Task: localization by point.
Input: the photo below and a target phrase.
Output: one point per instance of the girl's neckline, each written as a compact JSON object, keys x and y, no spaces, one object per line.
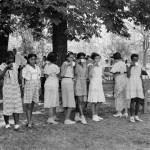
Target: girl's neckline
{"x":34,"y":67}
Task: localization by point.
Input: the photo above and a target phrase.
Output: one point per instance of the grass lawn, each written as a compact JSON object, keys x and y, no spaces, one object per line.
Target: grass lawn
{"x":109,"y":134}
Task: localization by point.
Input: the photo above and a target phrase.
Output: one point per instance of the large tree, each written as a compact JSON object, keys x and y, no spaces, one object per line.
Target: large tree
{"x":69,"y":19}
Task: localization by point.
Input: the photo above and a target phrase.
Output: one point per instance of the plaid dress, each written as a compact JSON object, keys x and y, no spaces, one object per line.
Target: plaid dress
{"x":32,"y":84}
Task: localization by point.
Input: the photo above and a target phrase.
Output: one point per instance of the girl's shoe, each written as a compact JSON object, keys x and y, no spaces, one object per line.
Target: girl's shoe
{"x":7,"y":126}
{"x":17,"y":127}
{"x":77,"y":117}
{"x":56,"y":118}
{"x":118,"y":115}
{"x":125,"y":115}
{"x":52,"y":121}
{"x":100,"y":118}
{"x":138,"y":119}
{"x":69,"y":122}
{"x":132,"y":119}
{"x":95,"y":118}
{"x":83,"y":120}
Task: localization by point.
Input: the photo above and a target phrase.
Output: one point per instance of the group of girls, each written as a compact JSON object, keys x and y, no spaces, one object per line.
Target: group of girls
{"x":74,"y":91}
{"x":75,"y":94}
{"x":12,"y":101}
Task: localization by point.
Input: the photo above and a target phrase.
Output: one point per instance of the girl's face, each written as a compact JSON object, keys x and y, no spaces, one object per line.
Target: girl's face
{"x":82,"y":59}
{"x":32,"y":61}
{"x":135,"y":59}
{"x":70,"y":58}
{"x":97,"y":59}
{"x":11,"y":59}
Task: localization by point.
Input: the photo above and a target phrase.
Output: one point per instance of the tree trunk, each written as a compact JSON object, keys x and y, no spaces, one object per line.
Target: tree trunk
{"x":59,"y":41}
{"x":144,"y":58}
{"x":4,"y":26}
{"x":3,"y":46}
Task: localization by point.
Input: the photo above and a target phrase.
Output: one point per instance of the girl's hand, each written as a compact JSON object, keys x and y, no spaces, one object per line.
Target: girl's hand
{"x":9,"y":66}
{"x":95,"y":64}
{"x":69,"y":63}
{"x":78,"y":61}
{"x":104,"y":80}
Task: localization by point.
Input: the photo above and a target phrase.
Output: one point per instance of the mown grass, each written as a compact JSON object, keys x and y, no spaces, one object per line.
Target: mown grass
{"x":109,"y":134}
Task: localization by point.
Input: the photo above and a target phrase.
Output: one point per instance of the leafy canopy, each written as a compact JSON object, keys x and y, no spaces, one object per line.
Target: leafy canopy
{"x":84,"y":18}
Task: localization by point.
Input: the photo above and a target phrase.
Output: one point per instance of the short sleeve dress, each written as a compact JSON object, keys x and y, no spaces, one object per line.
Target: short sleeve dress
{"x":67,"y":88}
{"x":80,"y":81}
{"x":32,"y":84}
{"x":96,"y":93}
{"x":51,"y":95}
{"x":12,"y":102}
{"x":120,"y":85}
{"x":134,"y":87}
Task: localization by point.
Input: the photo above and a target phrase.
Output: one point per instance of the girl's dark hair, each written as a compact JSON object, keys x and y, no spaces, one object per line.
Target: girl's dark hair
{"x":80,"y":54}
{"x":44,"y":57}
{"x":93,"y":55}
{"x":30,"y":56}
{"x":9,"y":54}
{"x":69,"y":53}
{"x":52,"y":57}
{"x":134,"y":55}
{"x":26,"y":57}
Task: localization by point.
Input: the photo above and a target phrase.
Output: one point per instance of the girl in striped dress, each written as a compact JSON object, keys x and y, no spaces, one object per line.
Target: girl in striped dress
{"x":12,"y":103}
{"x":80,"y":86}
{"x":31,"y":73}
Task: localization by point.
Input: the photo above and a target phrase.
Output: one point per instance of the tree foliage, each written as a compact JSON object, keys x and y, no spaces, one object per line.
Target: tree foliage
{"x":84,"y":18}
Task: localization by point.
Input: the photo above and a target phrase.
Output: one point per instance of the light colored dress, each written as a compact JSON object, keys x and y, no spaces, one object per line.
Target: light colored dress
{"x":67,"y":88}
{"x":51,"y":97}
{"x":96,"y":93}
{"x":80,"y":83}
{"x":134,"y":87}
{"x":32,"y":83}
{"x":120,"y":85}
{"x":12,"y":102}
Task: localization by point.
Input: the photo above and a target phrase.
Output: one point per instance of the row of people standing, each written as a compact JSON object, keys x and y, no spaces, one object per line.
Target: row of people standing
{"x":128,"y":86}
{"x":125,"y":89}
{"x":74,"y":84}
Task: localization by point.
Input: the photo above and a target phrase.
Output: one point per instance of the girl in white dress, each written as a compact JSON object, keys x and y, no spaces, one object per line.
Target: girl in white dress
{"x":96,"y":93}
{"x":51,"y":97}
{"x":134,"y":87}
{"x":119,"y":69}
{"x":67,"y":87}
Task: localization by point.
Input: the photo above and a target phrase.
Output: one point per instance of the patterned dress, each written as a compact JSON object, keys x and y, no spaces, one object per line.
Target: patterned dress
{"x":120,"y":85}
{"x":12,"y":102}
{"x":32,"y":84}
{"x":80,"y":84}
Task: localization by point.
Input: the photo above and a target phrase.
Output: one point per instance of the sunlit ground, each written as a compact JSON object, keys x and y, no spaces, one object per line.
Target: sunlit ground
{"x":109,"y":134}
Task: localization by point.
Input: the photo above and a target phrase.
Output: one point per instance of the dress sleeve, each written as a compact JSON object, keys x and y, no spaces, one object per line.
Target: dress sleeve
{"x":57,"y":70}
